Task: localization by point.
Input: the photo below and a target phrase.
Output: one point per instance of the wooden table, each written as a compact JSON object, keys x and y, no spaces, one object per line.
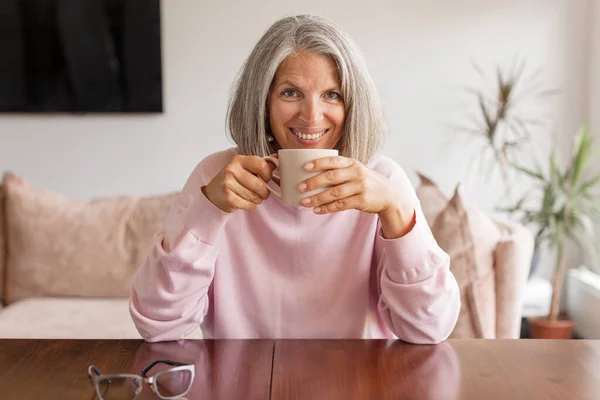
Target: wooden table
{"x":315,"y":369}
{"x":57,"y":369}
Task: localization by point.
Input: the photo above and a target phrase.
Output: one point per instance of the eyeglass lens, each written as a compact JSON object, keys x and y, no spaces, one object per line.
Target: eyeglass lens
{"x":119,"y":388}
{"x":173,"y":383}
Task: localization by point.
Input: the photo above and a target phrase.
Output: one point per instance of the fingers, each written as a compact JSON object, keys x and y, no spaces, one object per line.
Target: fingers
{"x":271,"y":169}
{"x":237,"y":186}
{"x":238,"y":203}
{"x":244,"y":168}
{"x":353,"y":202}
{"x":241,"y":190}
{"x":257,"y":166}
{"x":333,"y":194}
{"x":237,"y":197}
{"x":253,"y":184}
{"x":325,"y":163}
{"x":333,"y":177}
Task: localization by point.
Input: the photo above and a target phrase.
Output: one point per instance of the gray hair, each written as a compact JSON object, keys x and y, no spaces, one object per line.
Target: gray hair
{"x":247,"y":120}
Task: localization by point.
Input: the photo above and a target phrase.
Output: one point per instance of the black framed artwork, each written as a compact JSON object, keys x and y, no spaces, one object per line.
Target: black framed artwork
{"x":80,"y":56}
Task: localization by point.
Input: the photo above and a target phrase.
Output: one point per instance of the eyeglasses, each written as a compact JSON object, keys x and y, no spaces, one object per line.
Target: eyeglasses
{"x":172,"y":383}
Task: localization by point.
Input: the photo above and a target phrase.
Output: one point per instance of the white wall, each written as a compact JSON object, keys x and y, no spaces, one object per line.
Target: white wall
{"x":594,"y":72}
{"x":594,"y":96}
{"x":418,"y":52}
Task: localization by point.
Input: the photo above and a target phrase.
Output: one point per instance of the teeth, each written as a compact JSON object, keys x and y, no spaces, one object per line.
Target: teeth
{"x":309,"y":136}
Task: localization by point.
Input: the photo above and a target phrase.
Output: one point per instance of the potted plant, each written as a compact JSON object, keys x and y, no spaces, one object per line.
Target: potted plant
{"x":565,"y":208}
{"x":501,"y":131}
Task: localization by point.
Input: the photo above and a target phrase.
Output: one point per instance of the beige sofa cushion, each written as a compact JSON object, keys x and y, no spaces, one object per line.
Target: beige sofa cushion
{"x":59,"y":246}
{"x":469,"y":236}
{"x":63,"y":318}
{"x":433,"y":200}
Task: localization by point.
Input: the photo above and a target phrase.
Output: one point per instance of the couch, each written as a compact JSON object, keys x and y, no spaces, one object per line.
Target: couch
{"x":66,"y":264}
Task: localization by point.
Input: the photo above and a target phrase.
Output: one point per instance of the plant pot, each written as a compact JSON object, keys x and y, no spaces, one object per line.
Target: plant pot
{"x":543,"y":328}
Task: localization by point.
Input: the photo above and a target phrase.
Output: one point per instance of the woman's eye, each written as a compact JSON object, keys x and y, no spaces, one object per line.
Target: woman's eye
{"x":333,"y":95}
{"x":289,"y":93}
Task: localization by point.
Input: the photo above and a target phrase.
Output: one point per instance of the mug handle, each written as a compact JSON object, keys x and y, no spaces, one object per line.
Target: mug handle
{"x":275,"y":174}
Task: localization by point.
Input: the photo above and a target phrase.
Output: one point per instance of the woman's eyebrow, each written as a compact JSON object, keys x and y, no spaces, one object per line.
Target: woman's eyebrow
{"x":287,"y":82}
{"x":291,"y":83}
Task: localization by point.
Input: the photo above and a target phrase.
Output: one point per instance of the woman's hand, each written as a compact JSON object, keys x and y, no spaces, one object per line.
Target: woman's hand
{"x":354,"y":186}
{"x":241,"y":185}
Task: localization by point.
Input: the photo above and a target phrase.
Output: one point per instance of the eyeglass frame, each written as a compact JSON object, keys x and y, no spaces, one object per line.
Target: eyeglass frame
{"x":95,"y":376}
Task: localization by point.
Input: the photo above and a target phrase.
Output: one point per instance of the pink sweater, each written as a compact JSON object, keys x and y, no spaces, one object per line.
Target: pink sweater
{"x":285,"y":272}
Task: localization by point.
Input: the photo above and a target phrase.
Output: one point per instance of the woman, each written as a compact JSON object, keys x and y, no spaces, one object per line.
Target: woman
{"x":356,"y":261}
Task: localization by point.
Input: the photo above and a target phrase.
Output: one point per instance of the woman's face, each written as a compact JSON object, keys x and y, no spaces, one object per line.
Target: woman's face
{"x":306,"y":108}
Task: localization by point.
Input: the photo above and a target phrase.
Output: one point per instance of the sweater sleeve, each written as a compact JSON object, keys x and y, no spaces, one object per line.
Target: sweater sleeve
{"x":419,"y":298}
{"x":169,"y":294}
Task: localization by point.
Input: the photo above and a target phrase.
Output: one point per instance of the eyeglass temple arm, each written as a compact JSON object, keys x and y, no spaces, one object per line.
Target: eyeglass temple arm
{"x":168,"y":362}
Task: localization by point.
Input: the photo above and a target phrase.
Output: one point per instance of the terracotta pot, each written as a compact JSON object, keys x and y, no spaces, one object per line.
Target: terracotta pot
{"x":543,"y":328}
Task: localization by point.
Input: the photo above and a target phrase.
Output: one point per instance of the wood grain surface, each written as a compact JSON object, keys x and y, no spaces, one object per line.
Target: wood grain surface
{"x":57,"y":369}
{"x":315,"y":369}
{"x":455,"y":369}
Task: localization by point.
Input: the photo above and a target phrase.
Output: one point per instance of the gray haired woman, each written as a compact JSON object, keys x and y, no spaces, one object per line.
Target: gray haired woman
{"x":356,"y":260}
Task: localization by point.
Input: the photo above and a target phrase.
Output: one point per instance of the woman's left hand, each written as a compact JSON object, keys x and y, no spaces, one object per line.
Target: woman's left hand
{"x":352,"y":186}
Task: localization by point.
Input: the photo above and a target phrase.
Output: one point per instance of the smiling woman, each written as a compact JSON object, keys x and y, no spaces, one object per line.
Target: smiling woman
{"x":240,"y":263}
{"x":306,"y":108}
{"x":305,"y":58}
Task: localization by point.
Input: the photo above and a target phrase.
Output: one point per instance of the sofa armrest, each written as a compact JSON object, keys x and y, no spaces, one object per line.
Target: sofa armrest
{"x":512,"y":263}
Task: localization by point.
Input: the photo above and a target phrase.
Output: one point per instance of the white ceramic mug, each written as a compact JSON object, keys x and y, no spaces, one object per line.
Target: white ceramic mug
{"x":291,"y":172}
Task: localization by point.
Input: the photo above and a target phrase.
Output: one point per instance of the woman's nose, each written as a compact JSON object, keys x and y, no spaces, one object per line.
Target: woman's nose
{"x":312,"y":111}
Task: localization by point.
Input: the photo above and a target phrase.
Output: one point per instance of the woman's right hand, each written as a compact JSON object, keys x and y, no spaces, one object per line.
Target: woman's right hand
{"x":241,"y":184}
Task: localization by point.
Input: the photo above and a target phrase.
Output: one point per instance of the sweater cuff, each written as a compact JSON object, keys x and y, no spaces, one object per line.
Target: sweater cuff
{"x":413,"y":257}
{"x":204,"y":220}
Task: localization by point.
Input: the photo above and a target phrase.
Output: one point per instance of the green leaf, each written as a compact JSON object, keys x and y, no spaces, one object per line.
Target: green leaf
{"x":560,"y":199}
{"x":591,"y":207}
{"x":588,"y":184}
{"x":534,"y":174}
{"x":587,"y":226}
{"x":585,"y":242}
{"x":582,"y":152}
{"x":553,"y":167}
{"x":518,"y":205}
{"x":487,"y":119}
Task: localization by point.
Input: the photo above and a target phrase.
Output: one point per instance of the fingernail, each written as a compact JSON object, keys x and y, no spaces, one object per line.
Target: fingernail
{"x":305,"y":201}
{"x":317,"y":209}
{"x":309,"y":166}
{"x":301,"y":187}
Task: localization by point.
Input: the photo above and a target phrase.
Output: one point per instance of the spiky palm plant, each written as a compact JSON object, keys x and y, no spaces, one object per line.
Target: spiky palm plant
{"x":565,"y":206}
{"x":500,"y":126}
